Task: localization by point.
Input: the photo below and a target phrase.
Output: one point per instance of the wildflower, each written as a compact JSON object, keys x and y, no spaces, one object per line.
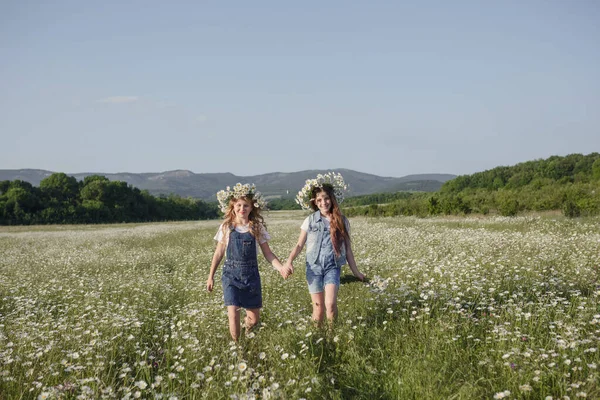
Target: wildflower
{"x":284,"y":356}
{"x":262,"y":355}
{"x":242,"y":366}
{"x":336,"y":181}
{"x":247,"y":190}
{"x":43,"y":396}
{"x":141,"y":384}
{"x":525,"y":388}
{"x":501,"y":395}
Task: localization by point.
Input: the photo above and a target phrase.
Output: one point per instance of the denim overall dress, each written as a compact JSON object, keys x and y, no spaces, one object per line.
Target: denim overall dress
{"x":240,"y":278}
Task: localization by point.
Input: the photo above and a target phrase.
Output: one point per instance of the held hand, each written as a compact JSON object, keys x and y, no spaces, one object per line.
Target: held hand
{"x":289,"y":266}
{"x":284,"y":272}
{"x":209,"y":284}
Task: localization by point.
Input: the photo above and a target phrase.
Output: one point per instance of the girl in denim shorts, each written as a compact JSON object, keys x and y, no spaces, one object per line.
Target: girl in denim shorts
{"x":326,"y":233}
{"x":238,"y":237}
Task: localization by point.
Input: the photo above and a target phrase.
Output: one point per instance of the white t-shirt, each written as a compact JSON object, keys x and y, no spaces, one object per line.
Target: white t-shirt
{"x":224,"y":238}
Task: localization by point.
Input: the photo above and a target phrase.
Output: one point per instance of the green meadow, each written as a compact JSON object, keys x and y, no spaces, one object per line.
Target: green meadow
{"x":456,"y":308}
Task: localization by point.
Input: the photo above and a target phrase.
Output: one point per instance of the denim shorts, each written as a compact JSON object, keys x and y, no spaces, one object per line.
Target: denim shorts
{"x":317,"y":277}
{"x":241,"y":286}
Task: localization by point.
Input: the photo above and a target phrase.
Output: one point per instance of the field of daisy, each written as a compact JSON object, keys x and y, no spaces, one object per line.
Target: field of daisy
{"x":457,"y":308}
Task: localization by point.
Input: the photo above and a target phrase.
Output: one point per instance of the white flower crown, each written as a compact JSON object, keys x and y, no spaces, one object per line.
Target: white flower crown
{"x":246,"y":190}
{"x":336,"y":181}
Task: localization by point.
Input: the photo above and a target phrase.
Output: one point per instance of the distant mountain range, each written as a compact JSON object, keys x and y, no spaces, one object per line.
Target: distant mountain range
{"x":277,"y":184}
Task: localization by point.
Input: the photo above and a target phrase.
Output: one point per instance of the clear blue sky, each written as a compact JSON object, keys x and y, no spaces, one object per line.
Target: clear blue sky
{"x":389,"y":88}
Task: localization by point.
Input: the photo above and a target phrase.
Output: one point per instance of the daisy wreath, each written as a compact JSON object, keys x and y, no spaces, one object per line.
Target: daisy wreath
{"x":246,"y":190}
{"x":331,"y":179}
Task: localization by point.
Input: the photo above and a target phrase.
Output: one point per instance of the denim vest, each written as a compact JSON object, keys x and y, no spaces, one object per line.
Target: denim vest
{"x":314,"y":239}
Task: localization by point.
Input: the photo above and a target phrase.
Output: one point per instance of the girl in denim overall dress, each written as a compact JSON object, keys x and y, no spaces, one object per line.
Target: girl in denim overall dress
{"x":237,"y":239}
{"x":326,"y":233}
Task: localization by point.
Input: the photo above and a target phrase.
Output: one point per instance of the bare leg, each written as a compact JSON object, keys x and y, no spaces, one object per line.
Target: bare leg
{"x":252,"y":318}
{"x":318,"y":305}
{"x":233,"y":312}
{"x":331,"y":292}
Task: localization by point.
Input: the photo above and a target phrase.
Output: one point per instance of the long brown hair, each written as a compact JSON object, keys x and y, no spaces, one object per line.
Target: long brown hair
{"x":255,"y":219}
{"x":339,"y":233}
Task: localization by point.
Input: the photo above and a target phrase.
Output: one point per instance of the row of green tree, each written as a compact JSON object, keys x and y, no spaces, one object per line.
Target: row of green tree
{"x":61,"y":199}
{"x":574,"y":168}
{"x":570,"y":184}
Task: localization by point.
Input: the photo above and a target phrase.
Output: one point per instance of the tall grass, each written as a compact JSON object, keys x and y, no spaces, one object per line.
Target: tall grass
{"x":456,"y":309}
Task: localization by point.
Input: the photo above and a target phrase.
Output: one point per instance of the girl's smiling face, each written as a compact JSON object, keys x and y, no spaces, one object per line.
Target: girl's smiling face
{"x":242,"y":208}
{"x":323,"y":202}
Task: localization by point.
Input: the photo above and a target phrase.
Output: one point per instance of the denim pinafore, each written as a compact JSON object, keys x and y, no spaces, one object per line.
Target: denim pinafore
{"x":240,"y":278}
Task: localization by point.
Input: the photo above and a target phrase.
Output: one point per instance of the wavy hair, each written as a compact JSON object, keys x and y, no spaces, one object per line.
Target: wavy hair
{"x":339,"y":233}
{"x":256,"y":221}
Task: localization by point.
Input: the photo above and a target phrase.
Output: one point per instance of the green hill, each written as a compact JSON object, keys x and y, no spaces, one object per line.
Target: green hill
{"x":277,"y":184}
{"x":570,"y":183}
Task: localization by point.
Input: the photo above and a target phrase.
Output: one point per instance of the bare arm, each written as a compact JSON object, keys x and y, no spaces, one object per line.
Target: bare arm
{"x":297,"y":249}
{"x":273,"y":260}
{"x":352,"y":262}
{"x":216,"y":260}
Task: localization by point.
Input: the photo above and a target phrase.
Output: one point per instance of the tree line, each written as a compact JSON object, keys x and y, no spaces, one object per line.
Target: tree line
{"x":61,"y":199}
{"x":570,"y":183}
